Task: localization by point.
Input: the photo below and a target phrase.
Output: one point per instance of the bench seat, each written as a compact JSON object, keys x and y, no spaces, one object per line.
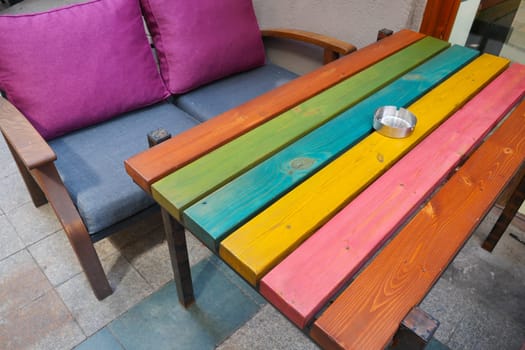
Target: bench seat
{"x":103,"y":193}
{"x":100,"y":189}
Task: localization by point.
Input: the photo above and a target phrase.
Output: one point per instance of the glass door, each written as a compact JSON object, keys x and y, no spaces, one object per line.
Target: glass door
{"x":496,"y":27}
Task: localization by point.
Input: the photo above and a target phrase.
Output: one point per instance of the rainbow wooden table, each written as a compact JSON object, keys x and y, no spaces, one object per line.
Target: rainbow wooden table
{"x":296,"y":192}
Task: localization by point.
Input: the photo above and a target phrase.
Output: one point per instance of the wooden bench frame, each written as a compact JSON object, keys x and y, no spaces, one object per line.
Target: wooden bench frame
{"x":35,"y":161}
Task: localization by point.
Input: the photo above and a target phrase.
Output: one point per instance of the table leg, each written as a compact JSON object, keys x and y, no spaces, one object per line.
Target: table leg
{"x":179,"y":258}
{"x":415,"y":331}
{"x":510,"y":210}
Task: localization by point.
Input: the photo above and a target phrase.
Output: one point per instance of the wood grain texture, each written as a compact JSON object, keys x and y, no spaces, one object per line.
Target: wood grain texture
{"x":333,"y":44}
{"x":303,"y":282}
{"x":153,"y":164}
{"x":368,"y":312}
{"x":23,"y":138}
{"x":217,"y":214}
{"x":183,"y":187}
{"x":260,"y":244}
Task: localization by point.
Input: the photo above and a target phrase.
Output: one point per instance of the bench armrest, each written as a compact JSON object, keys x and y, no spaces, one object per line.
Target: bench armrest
{"x":332,"y":47}
{"x":23,"y":138}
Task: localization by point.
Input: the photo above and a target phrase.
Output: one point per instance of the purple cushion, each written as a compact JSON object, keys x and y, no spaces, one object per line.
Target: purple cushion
{"x":200,"y":41}
{"x":79,"y":65}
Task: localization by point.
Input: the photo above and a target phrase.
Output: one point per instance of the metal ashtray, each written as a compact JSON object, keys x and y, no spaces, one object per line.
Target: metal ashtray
{"x":394,"y":122}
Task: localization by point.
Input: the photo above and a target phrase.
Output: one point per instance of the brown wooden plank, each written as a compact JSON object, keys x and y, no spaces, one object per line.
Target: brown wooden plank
{"x":367,"y":314}
{"x":153,"y":164}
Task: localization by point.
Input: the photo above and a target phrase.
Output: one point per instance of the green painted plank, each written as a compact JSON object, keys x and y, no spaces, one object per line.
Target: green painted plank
{"x":213,"y":217}
{"x":182,"y":188}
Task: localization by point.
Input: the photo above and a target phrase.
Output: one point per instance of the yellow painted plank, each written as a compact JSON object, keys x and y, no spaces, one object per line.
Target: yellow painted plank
{"x":260,"y":244}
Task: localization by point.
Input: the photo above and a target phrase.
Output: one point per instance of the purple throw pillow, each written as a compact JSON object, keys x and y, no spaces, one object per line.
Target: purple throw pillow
{"x":79,"y":65}
{"x":200,"y":41}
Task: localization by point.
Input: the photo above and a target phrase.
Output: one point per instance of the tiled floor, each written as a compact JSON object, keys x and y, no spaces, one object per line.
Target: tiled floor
{"x":46,"y":302}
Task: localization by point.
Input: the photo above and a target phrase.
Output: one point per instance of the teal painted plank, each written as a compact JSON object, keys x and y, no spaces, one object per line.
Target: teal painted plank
{"x":216,"y":215}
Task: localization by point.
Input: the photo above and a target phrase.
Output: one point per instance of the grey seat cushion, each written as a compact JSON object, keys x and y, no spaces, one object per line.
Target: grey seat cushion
{"x":215,"y":98}
{"x":91,"y":163}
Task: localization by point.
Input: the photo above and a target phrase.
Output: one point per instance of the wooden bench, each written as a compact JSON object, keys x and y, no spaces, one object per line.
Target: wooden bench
{"x":367,"y":314}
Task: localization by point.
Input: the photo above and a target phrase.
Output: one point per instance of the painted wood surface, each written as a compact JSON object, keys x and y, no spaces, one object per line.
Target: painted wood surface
{"x":303,"y":282}
{"x":155,"y":163}
{"x":260,"y":244}
{"x":367,"y":314}
{"x":216,"y":215}
{"x":180,"y":189}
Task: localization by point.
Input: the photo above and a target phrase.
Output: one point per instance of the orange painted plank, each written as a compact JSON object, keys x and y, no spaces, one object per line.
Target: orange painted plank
{"x":301,"y":284}
{"x":367,"y":314}
{"x":155,"y":163}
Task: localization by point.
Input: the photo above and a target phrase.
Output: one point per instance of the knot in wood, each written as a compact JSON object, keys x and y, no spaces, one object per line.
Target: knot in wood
{"x":302,"y":163}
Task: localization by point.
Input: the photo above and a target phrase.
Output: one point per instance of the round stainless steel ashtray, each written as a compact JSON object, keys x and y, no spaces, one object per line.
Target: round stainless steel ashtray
{"x":394,"y":122}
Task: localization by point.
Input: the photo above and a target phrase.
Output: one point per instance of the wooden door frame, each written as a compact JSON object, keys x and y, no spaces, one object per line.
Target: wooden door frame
{"x":439,"y":18}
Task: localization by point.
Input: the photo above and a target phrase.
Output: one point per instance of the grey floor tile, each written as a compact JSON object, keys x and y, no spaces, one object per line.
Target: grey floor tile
{"x":150,"y":256}
{"x":6,"y":159}
{"x":10,"y":242}
{"x":102,"y":340}
{"x":32,"y":316}
{"x":138,"y":230}
{"x":56,"y":258}
{"x":58,"y":261}
{"x":14,"y":192}
{"x":478,"y":301}
{"x":161,"y":323}
{"x":487,"y":283}
{"x":44,"y":323}
{"x":32,"y":224}
{"x":268,"y":330}
{"x":21,"y":282}
{"x":476,"y":331}
{"x":92,"y":314}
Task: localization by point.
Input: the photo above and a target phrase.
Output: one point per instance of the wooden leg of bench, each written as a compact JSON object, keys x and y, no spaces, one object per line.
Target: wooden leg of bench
{"x":383,"y":33}
{"x":416,"y":330}
{"x":510,"y":210}
{"x":179,"y":258}
{"x":77,"y":234}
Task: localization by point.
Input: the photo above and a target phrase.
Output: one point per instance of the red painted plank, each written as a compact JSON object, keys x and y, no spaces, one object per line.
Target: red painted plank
{"x":304,"y":281}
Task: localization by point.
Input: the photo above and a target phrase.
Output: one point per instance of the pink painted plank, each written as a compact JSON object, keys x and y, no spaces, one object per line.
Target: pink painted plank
{"x":301,"y":284}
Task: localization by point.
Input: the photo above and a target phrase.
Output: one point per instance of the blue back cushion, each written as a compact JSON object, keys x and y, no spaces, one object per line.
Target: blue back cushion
{"x":213,"y":99}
